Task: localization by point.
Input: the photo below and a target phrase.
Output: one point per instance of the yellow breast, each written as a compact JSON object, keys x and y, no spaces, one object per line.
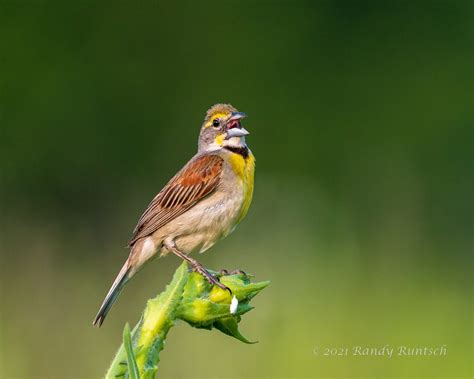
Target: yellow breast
{"x":244,"y":168}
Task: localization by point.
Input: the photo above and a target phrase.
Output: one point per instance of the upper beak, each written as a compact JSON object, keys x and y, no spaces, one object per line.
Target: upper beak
{"x":236,"y":116}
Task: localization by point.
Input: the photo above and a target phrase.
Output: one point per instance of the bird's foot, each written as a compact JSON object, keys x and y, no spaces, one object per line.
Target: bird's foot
{"x":211,"y":278}
{"x":239,"y":272}
{"x":224,"y":271}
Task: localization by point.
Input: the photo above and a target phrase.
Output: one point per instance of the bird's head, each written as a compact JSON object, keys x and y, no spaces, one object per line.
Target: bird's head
{"x":222,"y":128}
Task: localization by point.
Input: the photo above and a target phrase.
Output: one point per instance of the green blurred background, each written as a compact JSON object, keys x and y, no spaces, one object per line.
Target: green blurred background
{"x":361,"y":121}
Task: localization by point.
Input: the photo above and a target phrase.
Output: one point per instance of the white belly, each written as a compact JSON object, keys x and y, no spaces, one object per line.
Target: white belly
{"x":206,"y":223}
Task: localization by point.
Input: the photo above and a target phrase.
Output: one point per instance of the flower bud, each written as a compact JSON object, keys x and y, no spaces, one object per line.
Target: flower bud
{"x":206,"y":306}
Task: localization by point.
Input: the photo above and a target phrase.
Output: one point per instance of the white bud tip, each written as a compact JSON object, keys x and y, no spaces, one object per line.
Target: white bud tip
{"x":233,"y":305}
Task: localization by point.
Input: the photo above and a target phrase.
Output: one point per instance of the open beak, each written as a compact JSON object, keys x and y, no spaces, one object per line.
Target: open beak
{"x":235,"y":129}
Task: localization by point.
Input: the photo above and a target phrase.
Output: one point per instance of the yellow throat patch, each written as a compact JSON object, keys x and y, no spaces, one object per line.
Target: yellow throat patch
{"x":244,"y":168}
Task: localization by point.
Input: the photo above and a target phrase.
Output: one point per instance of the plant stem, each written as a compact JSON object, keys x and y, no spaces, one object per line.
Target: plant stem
{"x":188,"y":297}
{"x":150,"y":333}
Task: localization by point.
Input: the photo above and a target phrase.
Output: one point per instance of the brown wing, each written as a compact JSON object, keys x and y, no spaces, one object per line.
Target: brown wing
{"x":195,"y":181}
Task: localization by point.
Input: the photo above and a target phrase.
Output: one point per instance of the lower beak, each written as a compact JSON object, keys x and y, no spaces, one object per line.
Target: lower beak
{"x":236,"y":132}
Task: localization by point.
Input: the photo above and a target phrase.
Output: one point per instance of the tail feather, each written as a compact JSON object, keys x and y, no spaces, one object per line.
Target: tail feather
{"x":112,"y":295}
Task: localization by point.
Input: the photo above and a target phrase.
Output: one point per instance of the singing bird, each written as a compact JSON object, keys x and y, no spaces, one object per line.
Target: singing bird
{"x":200,"y":205}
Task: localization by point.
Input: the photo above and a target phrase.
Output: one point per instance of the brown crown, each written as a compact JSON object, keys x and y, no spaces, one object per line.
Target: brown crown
{"x":219,"y":108}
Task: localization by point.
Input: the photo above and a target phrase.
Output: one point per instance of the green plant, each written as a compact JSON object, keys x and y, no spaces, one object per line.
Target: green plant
{"x":188,"y":297}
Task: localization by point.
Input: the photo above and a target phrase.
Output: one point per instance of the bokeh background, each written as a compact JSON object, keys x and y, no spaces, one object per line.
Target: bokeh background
{"x":361,"y":122}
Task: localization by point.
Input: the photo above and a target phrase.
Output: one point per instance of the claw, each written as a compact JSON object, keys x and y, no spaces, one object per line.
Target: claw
{"x":224,"y":287}
{"x":239,"y":272}
{"x":212,"y":279}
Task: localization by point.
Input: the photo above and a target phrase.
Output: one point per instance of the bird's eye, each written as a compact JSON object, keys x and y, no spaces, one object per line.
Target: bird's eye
{"x":216,"y":122}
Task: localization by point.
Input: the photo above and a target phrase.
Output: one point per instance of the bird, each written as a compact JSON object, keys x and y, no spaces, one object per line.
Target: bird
{"x":200,"y":205}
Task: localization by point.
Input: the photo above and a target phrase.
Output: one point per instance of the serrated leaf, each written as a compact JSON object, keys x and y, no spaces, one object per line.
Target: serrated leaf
{"x":230,"y":327}
{"x":133,"y":372}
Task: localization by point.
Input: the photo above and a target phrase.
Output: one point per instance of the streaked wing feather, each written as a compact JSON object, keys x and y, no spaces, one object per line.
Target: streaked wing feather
{"x":198,"y":179}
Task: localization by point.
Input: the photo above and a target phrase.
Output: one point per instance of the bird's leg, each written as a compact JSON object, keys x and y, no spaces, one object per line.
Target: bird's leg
{"x":198,"y":267}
